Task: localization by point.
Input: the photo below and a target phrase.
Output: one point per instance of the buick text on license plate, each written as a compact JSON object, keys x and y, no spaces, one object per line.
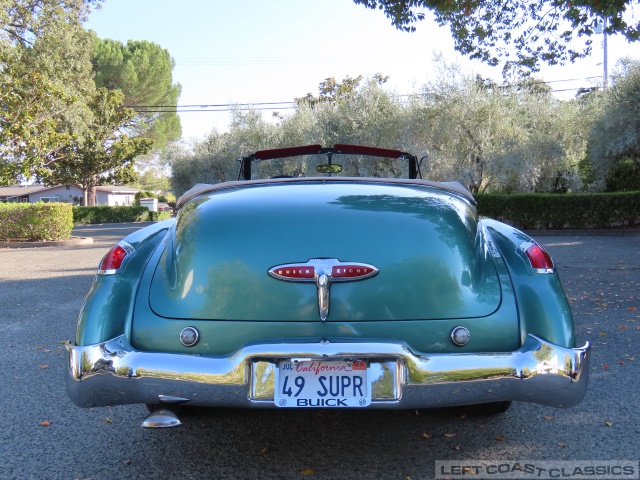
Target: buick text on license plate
{"x":322,"y":384}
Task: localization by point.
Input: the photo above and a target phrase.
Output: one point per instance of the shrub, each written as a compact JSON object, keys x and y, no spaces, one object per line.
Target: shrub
{"x":143,"y":194}
{"x":35,"y":222}
{"x":159,"y":216}
{"x":553,"y":211}
{"x":106,"y":214}
{"x":167,"y":198}
{"x":624,"y":176}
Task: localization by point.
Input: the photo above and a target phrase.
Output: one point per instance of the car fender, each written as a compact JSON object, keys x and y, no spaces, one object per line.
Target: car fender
{"x":542,"y":305}
{"x":108,"y":307}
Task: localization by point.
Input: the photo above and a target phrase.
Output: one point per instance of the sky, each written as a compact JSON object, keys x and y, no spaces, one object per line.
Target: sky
{"x":257,"y":51}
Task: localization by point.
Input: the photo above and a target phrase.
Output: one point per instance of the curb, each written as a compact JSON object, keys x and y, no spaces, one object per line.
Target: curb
{"x":72,"y":242}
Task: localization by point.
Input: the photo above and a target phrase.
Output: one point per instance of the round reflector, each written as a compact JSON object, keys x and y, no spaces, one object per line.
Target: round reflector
{"x":189,"y":336}
{"x":460,"y":336}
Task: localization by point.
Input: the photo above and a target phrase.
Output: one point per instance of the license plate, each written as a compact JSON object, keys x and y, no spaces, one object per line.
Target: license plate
{"x":322,"y":384}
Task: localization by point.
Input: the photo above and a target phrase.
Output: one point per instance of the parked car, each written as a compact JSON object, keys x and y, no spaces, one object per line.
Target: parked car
{"x":329,"y":290}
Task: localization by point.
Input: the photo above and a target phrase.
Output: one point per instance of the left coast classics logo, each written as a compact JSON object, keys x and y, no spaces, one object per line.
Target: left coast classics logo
{"x":323,"y":272}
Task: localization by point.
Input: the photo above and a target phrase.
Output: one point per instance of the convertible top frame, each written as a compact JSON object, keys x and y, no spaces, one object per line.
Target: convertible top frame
{"x":337,"y":149}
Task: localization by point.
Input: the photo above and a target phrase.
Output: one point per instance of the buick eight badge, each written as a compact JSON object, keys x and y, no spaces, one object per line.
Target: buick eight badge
{"x":323,"y":271}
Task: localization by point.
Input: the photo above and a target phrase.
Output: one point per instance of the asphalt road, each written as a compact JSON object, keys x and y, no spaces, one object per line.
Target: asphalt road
{"x":41,"y":291}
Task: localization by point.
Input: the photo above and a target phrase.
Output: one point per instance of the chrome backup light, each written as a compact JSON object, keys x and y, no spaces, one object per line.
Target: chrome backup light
{"x":538,"y":257}
{"x":112,"y":261}
{"x":189,"y":336}
{"x":460,"y":336}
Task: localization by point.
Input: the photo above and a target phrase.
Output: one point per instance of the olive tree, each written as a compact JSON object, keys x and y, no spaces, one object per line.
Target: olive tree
{"x":367,"y":115}
{"x":506,"y":138}
{"x":614,"y":143}
{"x":517,"y":138}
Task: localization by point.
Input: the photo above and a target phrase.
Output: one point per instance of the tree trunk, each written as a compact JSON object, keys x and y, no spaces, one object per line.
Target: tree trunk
{"x":89,"y":190}
{"x":90,"y":193}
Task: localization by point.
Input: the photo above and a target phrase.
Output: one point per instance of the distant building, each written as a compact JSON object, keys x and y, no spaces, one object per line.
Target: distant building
{"x":105,"y":195}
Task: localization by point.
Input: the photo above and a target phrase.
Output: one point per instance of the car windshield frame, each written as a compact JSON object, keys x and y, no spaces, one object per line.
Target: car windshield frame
{"x":246,"y":162}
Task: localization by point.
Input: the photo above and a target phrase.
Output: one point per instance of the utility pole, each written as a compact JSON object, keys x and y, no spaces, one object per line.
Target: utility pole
{"x":604,"y":44}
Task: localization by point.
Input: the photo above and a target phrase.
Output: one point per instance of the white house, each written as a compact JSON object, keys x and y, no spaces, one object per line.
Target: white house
{"x":105,"y":195}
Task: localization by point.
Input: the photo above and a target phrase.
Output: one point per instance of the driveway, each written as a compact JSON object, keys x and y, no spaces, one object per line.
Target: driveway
{"x":44,"y":436}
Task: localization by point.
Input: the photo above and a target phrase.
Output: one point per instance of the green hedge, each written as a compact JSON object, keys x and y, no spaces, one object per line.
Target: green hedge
{"x":554,"y":211}
{"x":106,"y":214}
{"x":35,"y":222}
{"x":159,"y":216}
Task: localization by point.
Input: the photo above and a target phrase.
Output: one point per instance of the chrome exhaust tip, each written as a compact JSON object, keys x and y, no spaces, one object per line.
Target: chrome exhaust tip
{"x":161,"y":419}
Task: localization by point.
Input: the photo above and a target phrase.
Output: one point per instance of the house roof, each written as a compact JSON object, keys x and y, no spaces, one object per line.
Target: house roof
{"x":22,"y":190}
{"x":115,"y":189}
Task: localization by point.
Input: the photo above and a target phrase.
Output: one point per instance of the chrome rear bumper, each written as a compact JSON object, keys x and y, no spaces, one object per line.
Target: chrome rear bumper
{"x":113,"y":373}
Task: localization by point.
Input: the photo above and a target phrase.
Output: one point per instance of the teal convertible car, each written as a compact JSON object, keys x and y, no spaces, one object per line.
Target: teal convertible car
{"x":322,"y":279}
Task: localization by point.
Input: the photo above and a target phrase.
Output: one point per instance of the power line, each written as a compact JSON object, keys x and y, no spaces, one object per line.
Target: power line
{"x":216,"y":110}
{"x":291,"y":105}
{"x":208,"y":105}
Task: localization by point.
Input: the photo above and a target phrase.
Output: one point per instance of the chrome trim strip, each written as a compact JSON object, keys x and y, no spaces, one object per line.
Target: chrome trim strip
{"x":113,"y":373}
{"x":452,"y":188}
{"x":323,"y":286}
{"x":107,"y":272}
{"x":525,"y":245}
{"x":545,"y":270}
{"x":167,"y":400}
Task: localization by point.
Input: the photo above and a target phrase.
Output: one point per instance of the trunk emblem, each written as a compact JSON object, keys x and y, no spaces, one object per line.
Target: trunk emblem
{"x":323,"y":272}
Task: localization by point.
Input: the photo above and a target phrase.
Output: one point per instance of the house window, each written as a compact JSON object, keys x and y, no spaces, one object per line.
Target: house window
{"x":49,"y":199}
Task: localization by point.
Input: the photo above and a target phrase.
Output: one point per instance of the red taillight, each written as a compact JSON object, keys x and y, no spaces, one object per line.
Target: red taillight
{"x":538,"y":257}
{"x":351,"y":271}
{"x":112,"y":261}
{"x":294,"y":272}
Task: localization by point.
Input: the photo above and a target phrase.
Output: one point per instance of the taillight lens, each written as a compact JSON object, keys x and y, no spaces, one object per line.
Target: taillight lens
{"x":538,"y":257}
{"x":112,"y":261}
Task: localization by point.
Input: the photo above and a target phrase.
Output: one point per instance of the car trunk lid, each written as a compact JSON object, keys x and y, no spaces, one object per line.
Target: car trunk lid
{"x":424,"y":241}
